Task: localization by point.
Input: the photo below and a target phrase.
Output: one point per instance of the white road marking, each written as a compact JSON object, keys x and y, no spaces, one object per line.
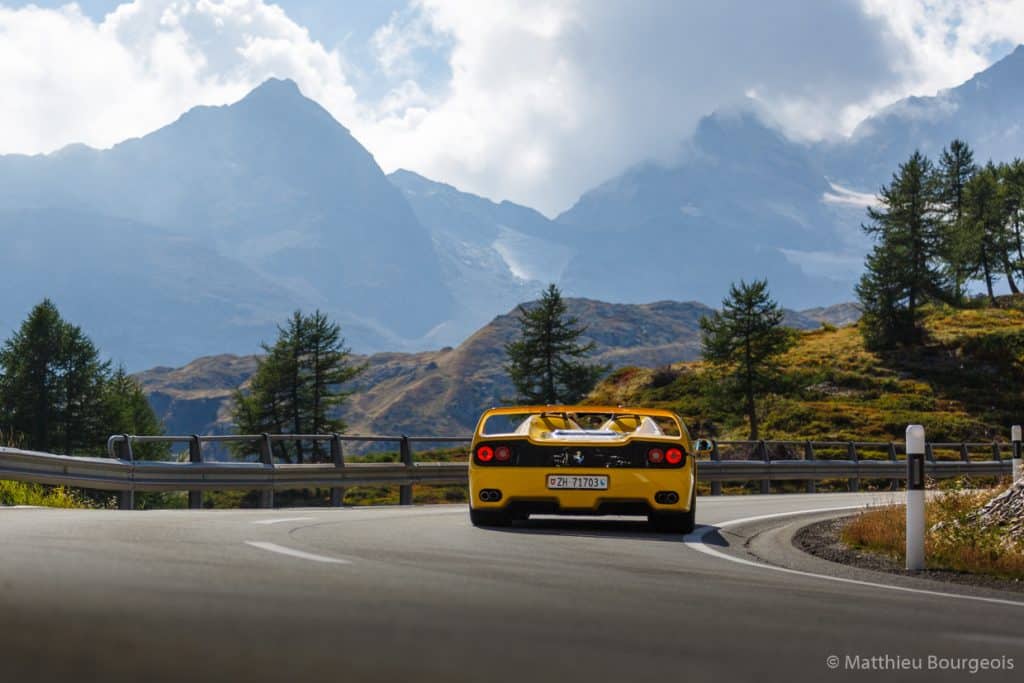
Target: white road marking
{"x":282,"y":520}
{"x":291,"y":552}
{"x":696,"y":542}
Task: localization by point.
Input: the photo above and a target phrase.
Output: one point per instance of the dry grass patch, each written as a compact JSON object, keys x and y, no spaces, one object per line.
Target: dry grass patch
{"x":955,"y":539}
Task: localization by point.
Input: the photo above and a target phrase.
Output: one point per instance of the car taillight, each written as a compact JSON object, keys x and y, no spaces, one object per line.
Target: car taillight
{"x":673,"y":456}
{"x":502,"y":454}
{"x":655,"y":456}
{"x":485,"y":454}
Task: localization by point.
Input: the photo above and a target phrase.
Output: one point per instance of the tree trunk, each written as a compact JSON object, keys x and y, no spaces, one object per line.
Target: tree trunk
{"x":549,"y":364}
{"x":296,"y":419}
{"x":988,"y":278}
{"x":755,"y":431}
{"x":317,"y":379}
{"x":1009,"y":275}
{"x":1020,"y":251}
{"x":751,"y":404}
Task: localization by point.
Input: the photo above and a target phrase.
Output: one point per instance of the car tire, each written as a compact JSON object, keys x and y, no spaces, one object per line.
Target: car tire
{"x":489,"y":517}
{"x":676,"y":522}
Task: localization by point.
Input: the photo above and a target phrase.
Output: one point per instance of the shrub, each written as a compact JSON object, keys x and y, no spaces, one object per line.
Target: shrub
{"x":956,"y":539}
{"x":664,"y":376}
{"x":22,"y":493}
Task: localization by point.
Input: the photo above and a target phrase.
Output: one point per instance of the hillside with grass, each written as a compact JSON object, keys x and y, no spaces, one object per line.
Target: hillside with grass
{"x":964,"y":383}
{"x":444,"y":391}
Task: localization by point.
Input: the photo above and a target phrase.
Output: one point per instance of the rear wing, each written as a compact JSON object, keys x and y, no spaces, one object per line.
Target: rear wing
{"x":579,"y":424}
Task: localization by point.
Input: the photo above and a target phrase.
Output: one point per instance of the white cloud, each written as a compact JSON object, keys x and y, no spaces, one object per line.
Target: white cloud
{"x":548,"y":99}
{"x":69,"y":79}
{"x":396,"y":43}
{"x":844,"y":196}
{"x":945,"y":43}
{"x":539,"y":100}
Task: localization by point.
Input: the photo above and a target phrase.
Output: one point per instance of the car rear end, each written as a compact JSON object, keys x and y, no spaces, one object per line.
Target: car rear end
{"x":580,"y":472}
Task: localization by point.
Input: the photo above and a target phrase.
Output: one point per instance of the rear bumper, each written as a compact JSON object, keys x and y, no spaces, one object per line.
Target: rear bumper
{"x":630,"y":491}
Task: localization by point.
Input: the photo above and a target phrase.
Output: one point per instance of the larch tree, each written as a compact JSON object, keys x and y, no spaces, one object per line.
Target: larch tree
{"x":908,"y":235}
{"x":300,"y":385}
{"x":955,"y":168}
{"x":743,"y":343}
{"x":547,"y":362}
{"x":56,"y":393}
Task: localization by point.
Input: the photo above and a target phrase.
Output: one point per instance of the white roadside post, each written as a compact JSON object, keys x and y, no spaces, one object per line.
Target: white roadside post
{"x":915,"y":497}
{"x":1015,"y":437}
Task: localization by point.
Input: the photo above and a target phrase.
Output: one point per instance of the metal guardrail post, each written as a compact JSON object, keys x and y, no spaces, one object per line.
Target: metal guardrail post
{"x":811,"y":485}
{"x":338,"y":458}
{"x":997,"y":454}
{"x":195,"y":455}
{"x":766,"y":484}
{"x":894,"y":484}
{"x":267,"y":458}
{"x":1016,"y":466}
{"x":405,"y":490}
{"x":126,"y":499}
{"x":716,"y":486}
{"x":851,"y":454}
{"x":929,"y":452}
{"x":964,"y":454}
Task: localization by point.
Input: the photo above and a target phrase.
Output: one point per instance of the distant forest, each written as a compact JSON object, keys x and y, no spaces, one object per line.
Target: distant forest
{"x":940,"y":228}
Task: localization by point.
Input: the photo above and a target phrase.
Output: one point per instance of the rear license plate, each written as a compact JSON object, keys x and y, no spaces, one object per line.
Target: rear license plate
{"x":584,"y":482}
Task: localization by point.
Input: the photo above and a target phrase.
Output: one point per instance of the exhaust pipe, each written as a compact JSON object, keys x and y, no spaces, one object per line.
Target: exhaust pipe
{"x":490,"y":495}
{"x":666,"y":497}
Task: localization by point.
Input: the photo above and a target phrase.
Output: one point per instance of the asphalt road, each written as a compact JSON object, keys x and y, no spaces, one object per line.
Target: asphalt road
{"x":389,"y":594}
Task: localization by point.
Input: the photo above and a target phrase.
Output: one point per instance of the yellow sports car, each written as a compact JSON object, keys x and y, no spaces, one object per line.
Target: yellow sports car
{"x":582,"y":460}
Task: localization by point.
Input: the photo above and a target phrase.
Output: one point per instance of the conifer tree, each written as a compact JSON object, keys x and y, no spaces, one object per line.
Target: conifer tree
{"x":885,"y":320}
{"x":299,"y":385}
{"x":1013,"y":182}
{"x":985,"y":215}
{"x":126,"y":410}
{"x":57,"y":394}
{"x":743,"y":343}
{"x":956,"y":167}
{"x":908,"y":234}
{"x":546,"y":363}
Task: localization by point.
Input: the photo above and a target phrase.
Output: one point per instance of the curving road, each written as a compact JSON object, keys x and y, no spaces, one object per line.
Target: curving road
{"x":388,"y":594}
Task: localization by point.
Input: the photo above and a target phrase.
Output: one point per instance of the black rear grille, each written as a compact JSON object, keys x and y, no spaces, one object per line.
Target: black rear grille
{"x":634,"y":454}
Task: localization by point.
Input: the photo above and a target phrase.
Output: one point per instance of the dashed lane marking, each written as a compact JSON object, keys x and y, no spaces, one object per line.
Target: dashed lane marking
{"x":291,"y":552}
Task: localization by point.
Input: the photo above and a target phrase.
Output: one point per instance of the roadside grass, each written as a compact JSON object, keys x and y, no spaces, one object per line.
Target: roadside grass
{"x":963,"y":384}
{"x":955,"y":539}
{"x":22,"y":493}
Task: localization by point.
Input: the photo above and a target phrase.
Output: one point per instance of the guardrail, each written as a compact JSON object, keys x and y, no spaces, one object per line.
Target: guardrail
{"x":809,"y":461}
{"x":812,"y":461}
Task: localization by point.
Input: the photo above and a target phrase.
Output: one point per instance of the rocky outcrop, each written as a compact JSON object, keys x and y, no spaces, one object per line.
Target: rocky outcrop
{"x":1006,"y":510}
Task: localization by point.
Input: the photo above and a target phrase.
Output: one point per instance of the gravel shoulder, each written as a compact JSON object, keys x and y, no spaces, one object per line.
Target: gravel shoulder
{"x":821,"y":539}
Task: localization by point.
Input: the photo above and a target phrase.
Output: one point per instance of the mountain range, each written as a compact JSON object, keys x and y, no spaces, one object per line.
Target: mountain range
{"x":200,"y":237}
{"x":443,"y":392}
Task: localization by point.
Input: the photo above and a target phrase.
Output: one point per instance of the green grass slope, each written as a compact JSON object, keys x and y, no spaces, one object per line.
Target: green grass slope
{"x":966,"y":383}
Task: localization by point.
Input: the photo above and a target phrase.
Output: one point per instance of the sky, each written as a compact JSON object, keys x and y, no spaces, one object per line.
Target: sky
{"x":535,"y":102}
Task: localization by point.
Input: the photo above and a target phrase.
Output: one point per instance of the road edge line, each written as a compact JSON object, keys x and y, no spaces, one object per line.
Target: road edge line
{"x":696,"y":542}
